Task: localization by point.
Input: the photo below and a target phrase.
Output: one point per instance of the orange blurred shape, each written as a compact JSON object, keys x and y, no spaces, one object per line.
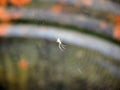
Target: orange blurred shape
{"x":117,"y":32}
{"x":117,"y":19}
{"x":3,"y":29}
{"x":19,"y":3}
{"x":103,"y":25}
{"x":3,"y":2}
{"x":4,"y":16}
{"x":23,"y":64}
{"x":87,"y":2}
{"x":57,"y":8}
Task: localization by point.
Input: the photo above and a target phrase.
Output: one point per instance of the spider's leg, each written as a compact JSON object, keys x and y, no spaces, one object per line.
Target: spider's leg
{"x":60,"y":47}
{"x":63,"y":45}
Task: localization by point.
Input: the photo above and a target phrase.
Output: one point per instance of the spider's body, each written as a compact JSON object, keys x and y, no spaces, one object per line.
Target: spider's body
{"x":59,"y":41}
{"x":60,"y":45}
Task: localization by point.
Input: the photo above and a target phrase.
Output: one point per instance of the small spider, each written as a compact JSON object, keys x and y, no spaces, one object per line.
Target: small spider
{"x":60,"y":44}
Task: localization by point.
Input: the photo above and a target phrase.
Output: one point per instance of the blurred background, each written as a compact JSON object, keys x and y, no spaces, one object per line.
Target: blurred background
{"x":30,"y":57}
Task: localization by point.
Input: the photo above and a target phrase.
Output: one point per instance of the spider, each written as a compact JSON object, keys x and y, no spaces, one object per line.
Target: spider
{"x":60,"y":44}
